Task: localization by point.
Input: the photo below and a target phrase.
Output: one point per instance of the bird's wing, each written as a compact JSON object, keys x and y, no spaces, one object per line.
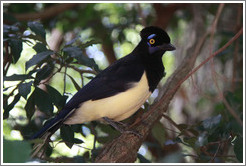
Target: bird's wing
{"x":115,"y":79}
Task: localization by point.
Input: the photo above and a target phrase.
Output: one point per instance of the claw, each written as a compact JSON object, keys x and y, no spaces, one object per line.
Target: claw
{"x":119,"y":128}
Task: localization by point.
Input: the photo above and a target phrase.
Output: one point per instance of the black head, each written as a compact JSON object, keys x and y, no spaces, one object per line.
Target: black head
{"x":157,"y":40}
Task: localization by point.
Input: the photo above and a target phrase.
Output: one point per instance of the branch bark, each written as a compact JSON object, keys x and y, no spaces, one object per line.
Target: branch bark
{"x":47,"y":13}
{"x":125,"y":147}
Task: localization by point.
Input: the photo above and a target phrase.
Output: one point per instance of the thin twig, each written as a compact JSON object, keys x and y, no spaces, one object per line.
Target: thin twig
{"x":176,"y":125}
{"x":235,"y":54}
{"x":45,"y":81}
{"x":82,"y":71}
{"x":215,"y":154}
{"x":64,"y":80}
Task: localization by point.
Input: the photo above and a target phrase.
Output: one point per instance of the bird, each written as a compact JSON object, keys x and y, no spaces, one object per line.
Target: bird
{"x":121,"y":89}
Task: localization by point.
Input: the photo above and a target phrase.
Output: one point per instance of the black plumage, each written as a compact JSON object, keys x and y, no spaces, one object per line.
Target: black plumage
{"x":121,"y":76}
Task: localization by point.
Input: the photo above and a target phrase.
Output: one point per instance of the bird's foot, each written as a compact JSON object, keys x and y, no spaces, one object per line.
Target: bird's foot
{"x":119,"y":128}
{"x":133,"y":132}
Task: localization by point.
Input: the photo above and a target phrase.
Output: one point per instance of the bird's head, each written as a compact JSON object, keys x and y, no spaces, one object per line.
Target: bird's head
{"x":157,"y":40}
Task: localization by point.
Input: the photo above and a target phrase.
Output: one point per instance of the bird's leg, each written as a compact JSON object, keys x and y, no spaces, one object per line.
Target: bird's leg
{"x":120,"y":123}
{"x":120,"y":129}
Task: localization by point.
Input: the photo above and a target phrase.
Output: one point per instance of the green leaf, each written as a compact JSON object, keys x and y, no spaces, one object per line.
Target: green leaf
{"x":77,"y":128}
{"x":39,"y":47}
{"x":25,"y":88}
{"x":211,"y":122}
{"x":43,"y":73}
{"x":16,"y":49}
{"x":89,"y":43}
{"x":74,"y":52}
{"x":67,"y":135}
{"x":56,"y":97}
{"x":77,"y":53}
{"x":69,"y":43}
{"x":43,"y":101}
{"x":16,"y":151}
{"x":19,"y":77}
{"x":30,"y":106}
{"x":37,"y":28}
{"x":77,"y":141}
{"x":142,"y":159}
{"x":238,"y":148}
{"x":74,"y":83}
{"x":191,"y":141}
{"x":11,"y":28}
{"x":10,"y":106}
{"x":158,"y":132}
{"x":35,"y":37}
{"x":38,"y":58}
{"x":16,"y":77}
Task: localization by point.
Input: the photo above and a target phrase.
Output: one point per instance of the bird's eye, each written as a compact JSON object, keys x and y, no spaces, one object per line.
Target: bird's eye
{"x":152,"y":41}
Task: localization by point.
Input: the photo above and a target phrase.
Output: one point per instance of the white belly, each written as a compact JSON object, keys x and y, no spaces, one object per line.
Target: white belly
{"x":118,"y":107}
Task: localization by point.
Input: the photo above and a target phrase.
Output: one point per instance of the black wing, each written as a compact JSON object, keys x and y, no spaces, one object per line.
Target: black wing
{"x":113,"y":80}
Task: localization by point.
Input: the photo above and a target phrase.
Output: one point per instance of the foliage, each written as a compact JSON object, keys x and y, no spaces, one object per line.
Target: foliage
{"x":199,"y":126}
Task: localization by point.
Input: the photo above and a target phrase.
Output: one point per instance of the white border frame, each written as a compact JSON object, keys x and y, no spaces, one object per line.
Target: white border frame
{"x":127,"y":1}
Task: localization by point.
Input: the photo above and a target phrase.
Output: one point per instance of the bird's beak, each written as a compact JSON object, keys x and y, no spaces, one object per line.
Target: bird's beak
{"x":167,"y":47}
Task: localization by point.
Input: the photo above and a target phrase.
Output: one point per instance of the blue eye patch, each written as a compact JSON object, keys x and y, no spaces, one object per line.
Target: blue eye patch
{"x":151,"y":36}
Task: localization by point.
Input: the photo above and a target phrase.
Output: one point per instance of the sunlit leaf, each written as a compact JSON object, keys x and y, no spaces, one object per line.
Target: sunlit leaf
{"x":38,"y":58}
{"x":43,"y":101}
{"x":40,"y":47}
{"x":77,"y":53}
{"x":11,"y":106}
{"x":30,"y":106}
{"x":56,"y":97}
{"x":74,"y":83}
{"x":16,"y":49}
{"x":25,"y":88}
{"x":44,"y":73}
{"x":19,"y":77}
{"x":37,"y":28}
{"x":67,"y":135}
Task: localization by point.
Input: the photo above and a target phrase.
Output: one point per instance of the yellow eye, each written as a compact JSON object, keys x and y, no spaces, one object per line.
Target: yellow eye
{"x":152,"y":41}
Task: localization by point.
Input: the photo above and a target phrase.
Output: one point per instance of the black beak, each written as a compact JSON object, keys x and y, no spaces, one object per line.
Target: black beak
{"x":167,"y":47}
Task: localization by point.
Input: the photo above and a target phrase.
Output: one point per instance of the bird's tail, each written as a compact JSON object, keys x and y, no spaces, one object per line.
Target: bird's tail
{"x":47,"y":131}
{"x":43,"y":137}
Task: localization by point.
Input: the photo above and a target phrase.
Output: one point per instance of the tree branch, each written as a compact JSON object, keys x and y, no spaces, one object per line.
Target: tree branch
{"x":47,"y":13}
{"x":125,"y":147}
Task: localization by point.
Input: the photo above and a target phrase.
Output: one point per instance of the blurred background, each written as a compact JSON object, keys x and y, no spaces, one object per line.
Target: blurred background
{"x":204,"y":122}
